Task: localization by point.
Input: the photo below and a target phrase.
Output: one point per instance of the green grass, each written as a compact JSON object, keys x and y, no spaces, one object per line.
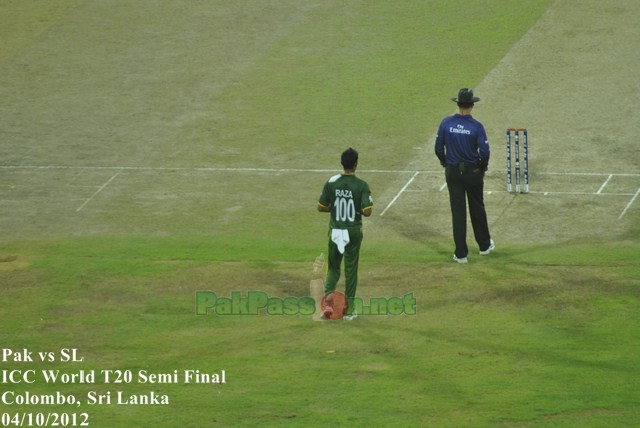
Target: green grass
{"x":527,"y":334}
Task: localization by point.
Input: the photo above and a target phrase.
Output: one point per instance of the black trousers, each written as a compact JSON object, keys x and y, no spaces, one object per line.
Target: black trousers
{"x":466,"y":181}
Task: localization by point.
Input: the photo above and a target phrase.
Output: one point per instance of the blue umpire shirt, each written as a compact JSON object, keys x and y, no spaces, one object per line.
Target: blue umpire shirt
{"x":465,"y":140}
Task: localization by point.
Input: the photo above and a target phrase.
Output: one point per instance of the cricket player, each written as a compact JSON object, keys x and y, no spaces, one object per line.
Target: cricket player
{"x":347,"y":198}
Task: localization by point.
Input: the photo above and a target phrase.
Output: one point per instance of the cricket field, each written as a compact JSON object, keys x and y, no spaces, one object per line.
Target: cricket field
{"x":160,"y":163}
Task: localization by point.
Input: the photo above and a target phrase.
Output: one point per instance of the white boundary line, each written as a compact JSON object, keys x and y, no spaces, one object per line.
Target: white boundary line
{"x":400,"y":193}
{"x":98,"y":191}
{"x":624,"y":211}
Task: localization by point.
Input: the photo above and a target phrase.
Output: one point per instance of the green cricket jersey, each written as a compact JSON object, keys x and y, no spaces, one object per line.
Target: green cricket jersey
{"x":347,"y":195}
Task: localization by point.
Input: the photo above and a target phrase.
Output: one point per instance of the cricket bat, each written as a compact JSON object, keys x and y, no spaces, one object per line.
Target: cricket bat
{"x":316,"y":286}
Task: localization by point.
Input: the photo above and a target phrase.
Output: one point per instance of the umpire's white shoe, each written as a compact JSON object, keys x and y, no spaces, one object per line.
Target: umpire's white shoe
{"x":486,"y":252}
{"x":460,"y":259}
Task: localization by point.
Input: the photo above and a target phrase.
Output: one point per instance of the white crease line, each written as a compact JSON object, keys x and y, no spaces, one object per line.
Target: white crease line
{"x":444,"y":186}
{"x":99,"y":190}
{"x":400,"y":193}
{"x":248,"y":169}
{"x":624,"y":211}
{"x":540,"y":192}
{"x":581,"y":193}
{"x":207,"y":169}
{"x":604,"y":184}
{"x":592,"y":174}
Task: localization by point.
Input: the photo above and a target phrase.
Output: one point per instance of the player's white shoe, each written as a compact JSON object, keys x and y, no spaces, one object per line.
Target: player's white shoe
{"x":350,"y":317}
{"x":460,"y":259}
{"x":486,"y":252}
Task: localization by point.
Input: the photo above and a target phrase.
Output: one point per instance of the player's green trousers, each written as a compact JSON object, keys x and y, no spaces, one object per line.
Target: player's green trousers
{"x":351,"y":257}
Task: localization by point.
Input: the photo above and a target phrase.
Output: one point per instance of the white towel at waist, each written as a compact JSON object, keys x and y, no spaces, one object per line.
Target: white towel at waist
{"x":340,"y":237}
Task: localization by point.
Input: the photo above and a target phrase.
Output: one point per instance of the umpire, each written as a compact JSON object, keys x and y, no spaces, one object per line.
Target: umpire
{"x":463,"y":149}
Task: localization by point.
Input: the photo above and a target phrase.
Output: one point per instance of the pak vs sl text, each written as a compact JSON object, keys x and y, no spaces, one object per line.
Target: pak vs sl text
{"x":25,"y":356}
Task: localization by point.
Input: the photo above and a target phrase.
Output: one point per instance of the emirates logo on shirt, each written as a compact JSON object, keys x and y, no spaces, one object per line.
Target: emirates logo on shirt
{"x":459,"y":129}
